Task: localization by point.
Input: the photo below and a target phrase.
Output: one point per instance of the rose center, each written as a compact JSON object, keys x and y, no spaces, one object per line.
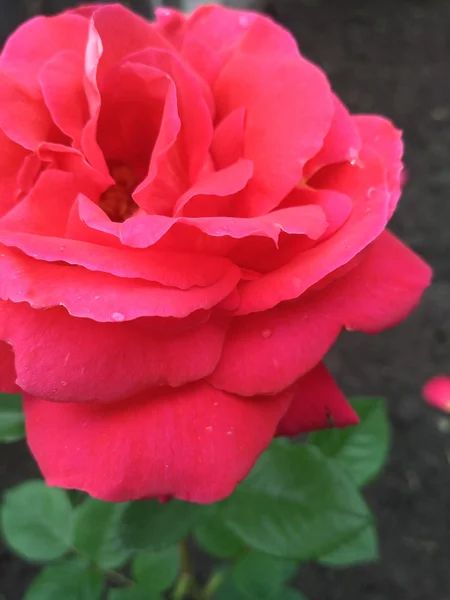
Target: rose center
{"x":117,"y":201}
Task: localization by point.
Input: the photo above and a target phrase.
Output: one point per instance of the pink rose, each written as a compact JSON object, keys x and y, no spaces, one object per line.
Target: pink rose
{"x":189,"y":217}
{"x":437,"y":392}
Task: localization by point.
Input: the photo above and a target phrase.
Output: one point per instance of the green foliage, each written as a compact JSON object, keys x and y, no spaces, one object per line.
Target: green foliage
{"x":296,"y":503}
{"x":258,"y":576}
{"x":37,"y":521}
{"x":153,"y":526}
{"x":157,"y":571}
{"x":135,"y":592}
{"x":361,"y":450}
{"x":96,"y":525}
{"x":12,"y":425}
{"x":217,"y":539}
{"x":361,"y":548}
{"x":72,"y":579}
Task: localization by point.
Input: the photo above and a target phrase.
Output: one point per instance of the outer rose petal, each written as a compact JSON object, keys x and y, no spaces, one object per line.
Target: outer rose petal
{"x":318,"y":404}
{"x":381,"y":135}
{"x":265,"y":352}
{"x":195,"y":443}
{"x":437,"y":392}
{"x":66,"y":359}
{"x":7,"y":371}
{"x":37,"y":41}
{"x":46,"y":285}
{"x":383,"y":289}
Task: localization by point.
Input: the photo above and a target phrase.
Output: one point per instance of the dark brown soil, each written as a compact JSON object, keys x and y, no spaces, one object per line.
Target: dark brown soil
{"x":391,"y":58}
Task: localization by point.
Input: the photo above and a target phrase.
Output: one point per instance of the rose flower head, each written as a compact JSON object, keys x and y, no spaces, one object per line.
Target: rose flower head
{"x":188,"y":218}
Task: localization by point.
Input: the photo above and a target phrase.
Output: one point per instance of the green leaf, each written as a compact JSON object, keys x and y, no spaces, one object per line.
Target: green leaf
{"x":96,"y":533}
{"x":157,"y":570}
{"x":12,"y":424}
{"x":135,"y":592}
{"x":363,"y":449}
{"x":258,"y":576}
{"x":229,"y":591}
{"x":152,"y":525}
{"x":71,"y":580}
{"x":37,"y":521}
{"x":217,"y":539}
{"x":361,"y":548}
{"x":295,"y":503}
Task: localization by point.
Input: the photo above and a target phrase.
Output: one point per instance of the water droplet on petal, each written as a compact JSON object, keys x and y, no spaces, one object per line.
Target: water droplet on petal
{"x":63,"y":383}
{"x":118,"y":317}
{"x":266,"y":333}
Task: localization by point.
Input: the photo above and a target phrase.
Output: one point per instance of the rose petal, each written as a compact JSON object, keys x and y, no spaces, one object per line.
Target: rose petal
{"x":7,"y":370}
{"x":171,"y":23}
{"x":318,"y":404}
{"x":204,"y":198}
{"x":37,"y":41}
{"x":218,"y":439}
{"x":228,"y":141}
{"x":24,"y":119}
{"x":12,"y":157}
{"x":299,"y":124}
{"x":437,"y":392}
{"x":194,"y":103}
{"x":61,"y":80}
{"x":28,"y":227}
{"x":44,"y":285}
{"x":141,"y":101}
{"x":122,"y":33}
{"x":69,"y":359}
{"x":216,"y":29}
{"x":364,"y":183}
{"x":45,"y":210}
{"x":342,"y":142}
{"x":380,"y":134}
{"x":265,"y":353}
{"x":383,"y":289}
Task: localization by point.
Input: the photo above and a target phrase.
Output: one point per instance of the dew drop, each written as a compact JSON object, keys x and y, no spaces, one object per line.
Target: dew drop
{"x":266,"y":333}
{"x":209,"y":428}
{"x":118,"y":317}
{"x":63,"y":383}
{"x":62,"y":248}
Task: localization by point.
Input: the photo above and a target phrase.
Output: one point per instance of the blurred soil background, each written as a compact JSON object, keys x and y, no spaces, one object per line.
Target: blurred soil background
{"x":393,"y":58}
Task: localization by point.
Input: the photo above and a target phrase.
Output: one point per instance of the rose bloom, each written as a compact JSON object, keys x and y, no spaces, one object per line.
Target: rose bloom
{"x":437,"y":392}
{"x":189,"y":218}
